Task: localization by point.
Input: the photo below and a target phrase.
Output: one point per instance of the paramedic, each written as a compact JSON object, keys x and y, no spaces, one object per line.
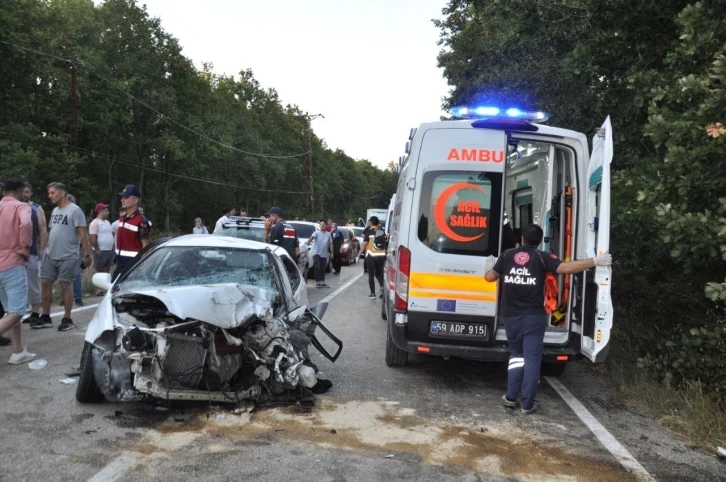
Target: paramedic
{"x":523,"y":273}
{"x":375,"y":257}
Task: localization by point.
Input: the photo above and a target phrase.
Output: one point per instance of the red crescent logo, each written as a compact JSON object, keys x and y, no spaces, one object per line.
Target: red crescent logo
{"x":440,"y":214}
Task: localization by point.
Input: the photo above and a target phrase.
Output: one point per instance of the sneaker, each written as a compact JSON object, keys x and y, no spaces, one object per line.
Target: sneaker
{"x":22,"y":357}
{"x":42,"y":322}
{"x":66,"y":324}
{"x":80,"y":303}
{"x":508,"y":403}
{"x":5,"y":341}
{"x":32,"y":318}
{"x":372,"y":296}
{"x":529,"y":411}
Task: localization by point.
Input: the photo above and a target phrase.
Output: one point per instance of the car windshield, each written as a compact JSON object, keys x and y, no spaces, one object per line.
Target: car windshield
{"x":358,"y":232}
{"x":198,"y":265}
{"x":243,"y":232}
{"x":303,"y":230}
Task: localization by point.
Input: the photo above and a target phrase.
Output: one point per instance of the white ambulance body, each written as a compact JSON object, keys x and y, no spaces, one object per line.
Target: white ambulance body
{"x":456,"y":188}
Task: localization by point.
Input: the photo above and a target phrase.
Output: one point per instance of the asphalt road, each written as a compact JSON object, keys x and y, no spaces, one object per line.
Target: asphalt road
{"x":433,"y":420}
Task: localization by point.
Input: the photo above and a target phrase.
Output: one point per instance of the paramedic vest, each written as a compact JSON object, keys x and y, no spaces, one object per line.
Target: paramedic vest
{"x":128,"y":236}
{"x":369,"y":237}
{"x":36,"y":228}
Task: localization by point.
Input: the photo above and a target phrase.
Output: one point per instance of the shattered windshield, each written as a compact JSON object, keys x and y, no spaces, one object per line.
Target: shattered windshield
{"x":198,"y":265}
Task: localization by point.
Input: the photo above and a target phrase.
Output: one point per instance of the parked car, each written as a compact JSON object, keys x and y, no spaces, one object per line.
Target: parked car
{"x":304,"y":230}
{"x":358,"y":234}
{"x":252,"y":229}
{"x":351,"y":246}
{"x":205,"y":318}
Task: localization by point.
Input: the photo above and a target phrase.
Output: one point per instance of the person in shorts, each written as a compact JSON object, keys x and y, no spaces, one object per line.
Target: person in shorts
{"x":67,"y":230}
{"x":17,"y":229}
{"x":40,"y":241}
{"x":101,"y":236}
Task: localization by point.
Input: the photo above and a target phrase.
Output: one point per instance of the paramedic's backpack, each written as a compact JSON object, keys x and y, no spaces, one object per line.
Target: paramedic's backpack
{"x":379,"y":241}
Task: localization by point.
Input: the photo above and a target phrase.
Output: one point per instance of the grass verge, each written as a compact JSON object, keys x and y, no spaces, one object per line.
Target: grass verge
{"x":688,"y":412}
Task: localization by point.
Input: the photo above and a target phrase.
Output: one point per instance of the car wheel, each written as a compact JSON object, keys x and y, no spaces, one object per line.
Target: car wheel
{"x":552,"y":369}
{"x":87,"y":390}
{"x":395,"y":357}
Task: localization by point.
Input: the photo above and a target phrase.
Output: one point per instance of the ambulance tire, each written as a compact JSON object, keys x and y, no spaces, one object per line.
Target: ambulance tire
{"x":552,"y":369}
{"x":395,"y":357}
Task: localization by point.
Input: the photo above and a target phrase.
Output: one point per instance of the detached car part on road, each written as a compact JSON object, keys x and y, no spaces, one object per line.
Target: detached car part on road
{"x":208,"y":318}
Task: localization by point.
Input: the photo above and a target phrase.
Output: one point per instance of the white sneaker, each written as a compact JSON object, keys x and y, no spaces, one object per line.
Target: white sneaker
{"x":22,"y":357}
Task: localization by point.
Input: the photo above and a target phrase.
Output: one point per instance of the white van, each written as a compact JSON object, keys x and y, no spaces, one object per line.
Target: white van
{"x":459,"y":183}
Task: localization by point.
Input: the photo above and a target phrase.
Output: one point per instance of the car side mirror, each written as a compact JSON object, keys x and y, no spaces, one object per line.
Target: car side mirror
{"x":102,"y":281}
{"x":297,"y":313}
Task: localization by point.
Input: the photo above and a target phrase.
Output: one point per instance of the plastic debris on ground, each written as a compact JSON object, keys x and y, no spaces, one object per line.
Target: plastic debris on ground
{"x":37,"y":364}
{"x":721,"y":453}
{"x":68,"y":381}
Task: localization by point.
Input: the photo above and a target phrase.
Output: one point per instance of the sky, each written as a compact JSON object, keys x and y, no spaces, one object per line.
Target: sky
{"x":369,"y":66}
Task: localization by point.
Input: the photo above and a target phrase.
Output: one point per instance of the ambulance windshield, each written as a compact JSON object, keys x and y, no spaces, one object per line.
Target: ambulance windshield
{"x":460,"y":212}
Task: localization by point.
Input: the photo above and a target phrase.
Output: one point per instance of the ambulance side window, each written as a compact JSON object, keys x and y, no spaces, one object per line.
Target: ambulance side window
{"x":460,"y":212}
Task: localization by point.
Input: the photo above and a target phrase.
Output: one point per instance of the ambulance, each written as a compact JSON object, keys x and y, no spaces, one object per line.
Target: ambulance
{"x":465,"y":189}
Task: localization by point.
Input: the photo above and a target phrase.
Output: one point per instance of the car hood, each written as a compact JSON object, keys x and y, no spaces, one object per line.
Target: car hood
{"x":226,"y":305}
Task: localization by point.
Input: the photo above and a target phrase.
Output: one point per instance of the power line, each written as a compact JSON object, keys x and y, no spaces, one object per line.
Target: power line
{"x":95,"y":154}
{"x":160,"y":114}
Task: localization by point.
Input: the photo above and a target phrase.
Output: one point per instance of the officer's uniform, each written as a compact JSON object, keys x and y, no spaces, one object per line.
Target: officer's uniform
{"x":522,"y":274}
{"x":132,"y":229}
{"x":285,"y":238}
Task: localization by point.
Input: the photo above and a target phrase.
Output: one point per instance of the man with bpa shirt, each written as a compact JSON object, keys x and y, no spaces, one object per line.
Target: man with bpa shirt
{"x":523,"y":273}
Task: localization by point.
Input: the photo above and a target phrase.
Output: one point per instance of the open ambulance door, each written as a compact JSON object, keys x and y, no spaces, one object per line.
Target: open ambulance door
{"x":598,"y":306}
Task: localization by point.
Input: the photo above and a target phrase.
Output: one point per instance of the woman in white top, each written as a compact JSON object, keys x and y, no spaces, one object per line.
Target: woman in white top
{"x":199,"y":228}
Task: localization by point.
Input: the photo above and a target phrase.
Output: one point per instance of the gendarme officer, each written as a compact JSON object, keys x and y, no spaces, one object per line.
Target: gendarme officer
{"x":133,"y":229}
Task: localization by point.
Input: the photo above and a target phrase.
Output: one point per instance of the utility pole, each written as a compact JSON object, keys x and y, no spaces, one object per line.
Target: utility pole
{"x":73,"y":122}
{"x":309,"y":159}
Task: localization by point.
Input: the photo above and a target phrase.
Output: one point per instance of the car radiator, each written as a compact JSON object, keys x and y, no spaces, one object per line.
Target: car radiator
{"x":183,"y":364}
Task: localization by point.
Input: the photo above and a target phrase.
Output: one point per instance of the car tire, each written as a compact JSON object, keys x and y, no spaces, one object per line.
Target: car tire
{"x":552,"y":369}
{"x":395,"y":357}
{"x":87,"y":390}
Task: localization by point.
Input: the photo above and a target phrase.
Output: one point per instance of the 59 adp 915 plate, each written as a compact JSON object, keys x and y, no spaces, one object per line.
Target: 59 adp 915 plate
{"x":458,"y":330}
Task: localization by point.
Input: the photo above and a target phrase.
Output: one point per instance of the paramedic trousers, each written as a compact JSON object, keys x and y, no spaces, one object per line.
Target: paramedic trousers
{"x":375,"y":269}
{"x":525,"y":335}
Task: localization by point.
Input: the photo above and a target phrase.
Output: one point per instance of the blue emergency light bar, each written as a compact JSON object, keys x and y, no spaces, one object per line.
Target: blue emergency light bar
{"x":490,"y":112}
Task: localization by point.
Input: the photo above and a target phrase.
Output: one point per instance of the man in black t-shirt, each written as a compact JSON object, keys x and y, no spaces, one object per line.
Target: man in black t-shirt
{"x":522,"y":272}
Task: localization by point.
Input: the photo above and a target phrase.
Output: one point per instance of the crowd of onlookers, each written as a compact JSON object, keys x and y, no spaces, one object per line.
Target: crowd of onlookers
{"x":38,"y":252}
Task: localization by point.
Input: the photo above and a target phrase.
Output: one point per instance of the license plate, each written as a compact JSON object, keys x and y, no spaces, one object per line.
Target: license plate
{"x":457,"y":329}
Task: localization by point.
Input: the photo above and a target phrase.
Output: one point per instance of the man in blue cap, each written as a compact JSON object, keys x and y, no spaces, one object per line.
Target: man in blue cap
{"x":133,"y":230}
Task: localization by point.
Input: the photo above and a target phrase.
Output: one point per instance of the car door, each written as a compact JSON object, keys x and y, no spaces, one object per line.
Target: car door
{"x":598,"y":319}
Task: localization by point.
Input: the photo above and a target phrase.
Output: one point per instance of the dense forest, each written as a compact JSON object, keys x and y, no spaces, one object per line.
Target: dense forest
{"x":100,"y":96}
{"x":659,"y":69}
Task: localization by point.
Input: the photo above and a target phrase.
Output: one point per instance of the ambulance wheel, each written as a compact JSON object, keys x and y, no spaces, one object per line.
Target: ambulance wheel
{"x":552,"y":369}
{"x":87,"y":390}
{"x":395,"y":357}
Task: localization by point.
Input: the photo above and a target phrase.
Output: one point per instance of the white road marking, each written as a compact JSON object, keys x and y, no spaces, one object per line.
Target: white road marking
{"x":347,"y":284}
{"x":620,"y":453}
{"x":128,"y":460}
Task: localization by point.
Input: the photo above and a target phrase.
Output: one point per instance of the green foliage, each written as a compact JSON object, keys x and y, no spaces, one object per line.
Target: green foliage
{"x":122,"y":141}
{"x":658,"y":69}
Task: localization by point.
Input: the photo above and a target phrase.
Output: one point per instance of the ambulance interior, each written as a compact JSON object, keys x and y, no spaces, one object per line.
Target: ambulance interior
{"x":539,"y":189}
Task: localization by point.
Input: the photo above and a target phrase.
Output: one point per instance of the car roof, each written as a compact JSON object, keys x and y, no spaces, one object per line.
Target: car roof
{"x":466,"y":124}
{"x":213,"y":241}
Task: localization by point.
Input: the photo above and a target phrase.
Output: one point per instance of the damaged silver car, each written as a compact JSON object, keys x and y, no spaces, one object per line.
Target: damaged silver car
{"x":205,"y":318}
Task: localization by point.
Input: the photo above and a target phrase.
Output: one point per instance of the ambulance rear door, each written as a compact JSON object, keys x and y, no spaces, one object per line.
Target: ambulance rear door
{"x":598,"y":306}
{"x":457,"y":219}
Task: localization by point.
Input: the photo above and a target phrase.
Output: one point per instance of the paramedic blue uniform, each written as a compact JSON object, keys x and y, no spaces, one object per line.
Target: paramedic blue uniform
{"x":522,"y":275}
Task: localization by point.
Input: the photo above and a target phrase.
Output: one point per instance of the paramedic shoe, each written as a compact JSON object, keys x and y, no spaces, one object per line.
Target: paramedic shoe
{"x":42,"y":322}
{"x":530,"y":411}
{"x":66,"y":324}
{"x":509,"y":403}
{"x":22,"y":357}
{"x":372,"y":296}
